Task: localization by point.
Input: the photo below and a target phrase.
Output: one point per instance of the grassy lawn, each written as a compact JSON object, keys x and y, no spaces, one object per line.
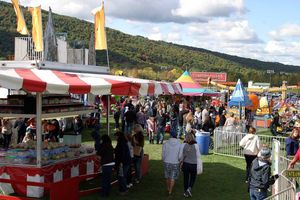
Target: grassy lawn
{"x":223,"y":177}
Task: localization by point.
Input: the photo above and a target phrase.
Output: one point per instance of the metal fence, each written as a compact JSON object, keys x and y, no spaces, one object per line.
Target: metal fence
{"x":287,"y":189}
{"x":227,"y":144}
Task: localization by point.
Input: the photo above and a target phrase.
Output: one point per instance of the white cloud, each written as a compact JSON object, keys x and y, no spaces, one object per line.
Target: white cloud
{"x":224,"y":30}
{"x":209,"y":8}
{"x":286,"y":30}
{"x":151,"y":29}
{"x":134,"y":23}
{"x":173,"y":37}
{"x":158,"y":11}
{"x":175,"y":28}
{"x":156,"y":36}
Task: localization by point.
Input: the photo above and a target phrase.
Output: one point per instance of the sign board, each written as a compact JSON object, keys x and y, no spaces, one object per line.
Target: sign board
{"x":215,"y":76}
{"x":292,"y":173}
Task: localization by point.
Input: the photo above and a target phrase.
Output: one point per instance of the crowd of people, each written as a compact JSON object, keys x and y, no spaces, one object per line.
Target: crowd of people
{"x":156,"y":116}
{"x":52,"y":129}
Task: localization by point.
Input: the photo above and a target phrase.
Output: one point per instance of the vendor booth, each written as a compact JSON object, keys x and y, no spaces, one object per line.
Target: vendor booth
{"x":39,"y":79}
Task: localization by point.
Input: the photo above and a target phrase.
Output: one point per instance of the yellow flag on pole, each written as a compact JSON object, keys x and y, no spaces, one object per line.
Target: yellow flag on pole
{"x":100,"y":35}
{"x":21,"y":25}
{"x":37,"y":33}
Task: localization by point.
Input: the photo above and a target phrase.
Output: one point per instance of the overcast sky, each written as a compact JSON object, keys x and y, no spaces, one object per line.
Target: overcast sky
{"x":267,"y":30}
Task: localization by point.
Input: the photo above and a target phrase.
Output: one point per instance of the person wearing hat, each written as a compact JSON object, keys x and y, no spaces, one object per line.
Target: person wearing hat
{"x":170,"y":156}
{"x":260,"y":175}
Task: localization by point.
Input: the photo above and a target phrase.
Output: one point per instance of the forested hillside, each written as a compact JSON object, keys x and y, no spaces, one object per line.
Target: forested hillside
{"x":140,"y":57}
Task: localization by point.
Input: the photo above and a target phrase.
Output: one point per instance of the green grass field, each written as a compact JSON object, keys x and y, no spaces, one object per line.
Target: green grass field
{"x":223,"y":177}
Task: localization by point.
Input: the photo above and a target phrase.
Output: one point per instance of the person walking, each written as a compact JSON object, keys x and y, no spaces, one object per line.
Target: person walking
{"x":139,"y":140}
{"x":170,"y":156}
{"x":173,"y":119}
{"x":141,"y":117}
{"x":251,"y":145}
{"x":117,"y":118}
{"x":230,"y":126}
{"x":260,"y":176}
{"x":198,"y":116}
{"x":161,"y":120}
{"x":151,"y":129}
{"x":20,"y":123}
{"x":274,"y":123}
{"x":105,"y":154}
{"x":181,"y":128}
{"x":189,"y":152}
{"x":248,"y":119}
{"x":222,"y":118}
{"x":130,"y":117}
{"x":122,"y":162}
{"x":7,"y":132}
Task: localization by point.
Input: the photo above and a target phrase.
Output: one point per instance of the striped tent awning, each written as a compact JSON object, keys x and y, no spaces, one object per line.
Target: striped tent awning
{"x":190,"y":87}
{"x":37,"y":80}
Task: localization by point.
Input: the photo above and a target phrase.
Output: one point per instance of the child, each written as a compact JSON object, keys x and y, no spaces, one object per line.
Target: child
{"x":117,"y":118}
{"x":264,"y":145}
{"x":130,"y":143}
{"x":150,"y":129}
{"x":27,"y":137}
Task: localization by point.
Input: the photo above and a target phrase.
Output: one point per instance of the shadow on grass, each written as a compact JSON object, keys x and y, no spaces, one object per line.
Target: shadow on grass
{"x":219,"y":181}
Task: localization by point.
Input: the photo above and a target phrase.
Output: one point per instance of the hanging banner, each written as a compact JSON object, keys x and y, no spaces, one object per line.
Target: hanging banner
{"x":215,"y":76}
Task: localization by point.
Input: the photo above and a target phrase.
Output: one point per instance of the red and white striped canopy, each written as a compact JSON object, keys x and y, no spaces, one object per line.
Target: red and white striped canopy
{"x":36,"y":80}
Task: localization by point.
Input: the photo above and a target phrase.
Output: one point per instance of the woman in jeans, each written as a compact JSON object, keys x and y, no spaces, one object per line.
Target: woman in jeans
{"x":123,"y":161}
{"x":106,"y":156}
{"x":189,"y":152}
{"x":139,"y":140}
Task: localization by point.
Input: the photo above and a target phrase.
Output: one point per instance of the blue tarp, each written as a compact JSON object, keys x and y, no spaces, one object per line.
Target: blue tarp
{"x":240,"y":95}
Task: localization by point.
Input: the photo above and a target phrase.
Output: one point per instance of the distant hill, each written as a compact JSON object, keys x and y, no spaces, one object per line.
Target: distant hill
{"x":140,"y":57}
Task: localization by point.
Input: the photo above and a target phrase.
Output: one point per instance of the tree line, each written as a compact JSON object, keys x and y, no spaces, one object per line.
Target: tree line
{"x":140,"y":57}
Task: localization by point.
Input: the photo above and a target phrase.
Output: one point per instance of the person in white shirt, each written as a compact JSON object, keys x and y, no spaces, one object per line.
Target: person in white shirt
{"x":198,"y":117}
{"x":205,"y":114}
{"x":251,"y":145}
{"x":170,"y":156}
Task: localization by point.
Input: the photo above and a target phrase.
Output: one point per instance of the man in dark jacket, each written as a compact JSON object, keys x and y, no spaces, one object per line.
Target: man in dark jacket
{"x":221,"y":109}
{"x":161,"y":120}
{"x":20,"y":123}
{"x":260,"y":175}
{"x":222,"y":118}
{"x":130,"y":117}
{"x":274,"y":123}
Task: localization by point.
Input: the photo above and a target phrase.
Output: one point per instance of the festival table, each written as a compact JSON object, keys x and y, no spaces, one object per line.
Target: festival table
{"x":85,"y":164}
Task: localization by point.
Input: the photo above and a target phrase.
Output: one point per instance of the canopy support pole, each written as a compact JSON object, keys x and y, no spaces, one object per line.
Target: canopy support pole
{"x":107,"y":113}
{"x":39,"y":130}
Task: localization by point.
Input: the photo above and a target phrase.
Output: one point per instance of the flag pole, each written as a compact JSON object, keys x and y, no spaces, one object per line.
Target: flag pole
{"x":107,"y":57}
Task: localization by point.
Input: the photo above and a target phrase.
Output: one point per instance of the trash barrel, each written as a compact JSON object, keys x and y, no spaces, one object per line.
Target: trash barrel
{"x":202,"y":139}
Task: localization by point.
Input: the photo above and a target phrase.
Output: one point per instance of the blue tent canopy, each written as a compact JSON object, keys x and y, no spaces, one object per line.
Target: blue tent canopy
{"x":240,"y":95}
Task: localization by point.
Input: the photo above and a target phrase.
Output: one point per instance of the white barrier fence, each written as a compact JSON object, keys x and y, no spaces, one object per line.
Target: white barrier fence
{"x":227,"y":144}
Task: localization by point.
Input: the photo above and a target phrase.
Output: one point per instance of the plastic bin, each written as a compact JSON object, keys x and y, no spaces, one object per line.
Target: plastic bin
{"x":202,"y":139}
